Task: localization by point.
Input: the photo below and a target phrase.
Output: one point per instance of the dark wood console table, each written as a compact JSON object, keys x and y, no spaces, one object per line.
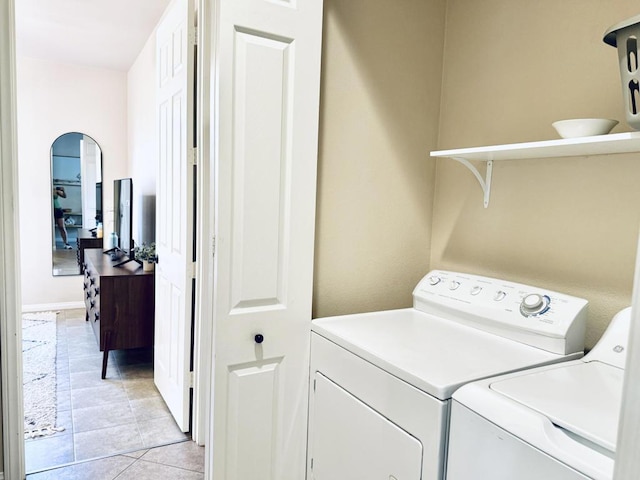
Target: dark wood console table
{"x":120,"y":303}
{"x":86,"y":240}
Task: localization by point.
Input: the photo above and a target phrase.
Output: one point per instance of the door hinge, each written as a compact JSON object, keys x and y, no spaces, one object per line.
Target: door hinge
{"x":314,"y":385}
{"x":213,"y":246}
{"x":312,"y":464}
{"x":191,"y":379}
{"x":193,"y":36}
{"x":194,"y":268}
{"x":192,"y":156}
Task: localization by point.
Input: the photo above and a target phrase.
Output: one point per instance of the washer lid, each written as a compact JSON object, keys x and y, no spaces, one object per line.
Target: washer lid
{"x":583,"y":398}
{"x":434,"y":355}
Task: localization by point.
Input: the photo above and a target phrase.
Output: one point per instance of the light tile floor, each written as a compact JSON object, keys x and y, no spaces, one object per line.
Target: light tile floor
{"x":179,"y":461}
{"x":122,"y":413}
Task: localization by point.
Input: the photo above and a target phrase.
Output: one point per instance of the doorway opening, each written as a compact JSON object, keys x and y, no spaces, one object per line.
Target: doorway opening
{"x":123,"y":412}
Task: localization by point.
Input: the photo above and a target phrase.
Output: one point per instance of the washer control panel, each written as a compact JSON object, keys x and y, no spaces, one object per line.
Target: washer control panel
{"x":532,"y":315}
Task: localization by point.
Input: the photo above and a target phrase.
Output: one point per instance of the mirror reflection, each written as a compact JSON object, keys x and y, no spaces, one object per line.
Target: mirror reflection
{"x":76,"y":181}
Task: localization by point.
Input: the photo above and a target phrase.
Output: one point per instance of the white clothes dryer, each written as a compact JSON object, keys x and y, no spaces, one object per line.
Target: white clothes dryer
{"x":556,"y":422}
{"x":381,"y":382}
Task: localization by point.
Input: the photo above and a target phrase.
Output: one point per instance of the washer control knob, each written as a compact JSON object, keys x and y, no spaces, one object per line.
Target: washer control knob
{"x":476,"y":290}
{"x":499,"y":295}
{"x":453,"y":285}
{"x":532,"y":301}
{"x":433,"y":280}
{"x":534,"y":304}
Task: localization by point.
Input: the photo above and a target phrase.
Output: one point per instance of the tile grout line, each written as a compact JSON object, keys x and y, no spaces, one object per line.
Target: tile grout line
{"x":73,"y":431}
{"x":136,"y":420}
{"x":167,"y":465}
{"x":73,"y":409}
{"x":142,"y":460}
{"x":135,"y":460}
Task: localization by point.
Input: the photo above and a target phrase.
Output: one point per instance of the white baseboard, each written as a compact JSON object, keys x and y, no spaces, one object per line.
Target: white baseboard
{"x":45,"y":307}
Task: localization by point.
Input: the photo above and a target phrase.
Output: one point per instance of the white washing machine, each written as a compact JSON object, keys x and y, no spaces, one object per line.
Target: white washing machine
{"x":557,"y":422}
{"x":381,"y":382}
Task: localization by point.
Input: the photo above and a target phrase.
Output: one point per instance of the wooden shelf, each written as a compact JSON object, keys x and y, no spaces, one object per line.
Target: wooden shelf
{"x":628,"y":142}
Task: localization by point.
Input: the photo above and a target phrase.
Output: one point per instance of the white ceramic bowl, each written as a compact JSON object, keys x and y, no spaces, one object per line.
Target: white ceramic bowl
{"x":584,"y":127}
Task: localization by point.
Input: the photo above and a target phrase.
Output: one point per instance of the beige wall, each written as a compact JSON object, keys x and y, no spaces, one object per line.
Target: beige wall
{"x":511,"y":68}
{"x":380,"y":96}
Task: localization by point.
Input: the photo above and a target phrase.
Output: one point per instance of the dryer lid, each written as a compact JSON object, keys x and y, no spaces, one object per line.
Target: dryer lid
{"x":435,"y":355}
{"x":582,"y":397}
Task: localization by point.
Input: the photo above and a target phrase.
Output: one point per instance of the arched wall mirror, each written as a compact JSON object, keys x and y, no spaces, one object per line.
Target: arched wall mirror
{"x":76,"y":185}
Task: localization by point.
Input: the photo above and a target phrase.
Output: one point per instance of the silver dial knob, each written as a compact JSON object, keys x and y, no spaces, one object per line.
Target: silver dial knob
{"x":532,"y":301}
{"x":534,"y":304}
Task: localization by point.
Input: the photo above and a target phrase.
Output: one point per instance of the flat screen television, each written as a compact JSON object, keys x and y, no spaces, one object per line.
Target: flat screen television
{"x":122,"y":218}
{"x":98,"y":202}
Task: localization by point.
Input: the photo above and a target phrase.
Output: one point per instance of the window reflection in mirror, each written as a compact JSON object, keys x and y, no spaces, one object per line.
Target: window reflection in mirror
{"x":76,"y":173}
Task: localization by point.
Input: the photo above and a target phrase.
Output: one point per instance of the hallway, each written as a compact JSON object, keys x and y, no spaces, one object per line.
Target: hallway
{"x":122,"y":413}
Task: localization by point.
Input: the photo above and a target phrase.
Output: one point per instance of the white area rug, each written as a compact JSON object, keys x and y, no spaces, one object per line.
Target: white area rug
{"x":39,"y":373}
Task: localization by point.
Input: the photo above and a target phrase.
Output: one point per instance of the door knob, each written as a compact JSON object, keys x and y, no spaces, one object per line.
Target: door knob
{"x":259,"y":338}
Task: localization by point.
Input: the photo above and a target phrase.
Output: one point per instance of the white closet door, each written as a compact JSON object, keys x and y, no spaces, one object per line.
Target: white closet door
{"x":174,"y":210}
{"x":268,"y":94}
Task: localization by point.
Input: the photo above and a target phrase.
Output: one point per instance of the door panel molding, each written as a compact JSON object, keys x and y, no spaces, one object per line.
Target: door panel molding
{"x":262,"y":161}
{"x":253,"y":397}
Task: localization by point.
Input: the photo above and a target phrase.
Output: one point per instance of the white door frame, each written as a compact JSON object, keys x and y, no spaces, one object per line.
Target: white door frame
{"x":207,"y":135}
{"x":205,"y":243}
{"x":10,"y":298}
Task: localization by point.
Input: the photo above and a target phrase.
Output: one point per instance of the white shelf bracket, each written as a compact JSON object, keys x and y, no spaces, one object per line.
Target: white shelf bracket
{"x":485,"y":183}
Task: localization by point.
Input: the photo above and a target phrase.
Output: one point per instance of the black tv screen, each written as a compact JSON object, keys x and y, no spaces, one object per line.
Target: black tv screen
{"x":123,"y":213}
{"x":98,"y":203}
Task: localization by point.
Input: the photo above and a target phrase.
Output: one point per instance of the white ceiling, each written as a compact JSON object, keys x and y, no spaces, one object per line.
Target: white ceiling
{"x":100,"y":33}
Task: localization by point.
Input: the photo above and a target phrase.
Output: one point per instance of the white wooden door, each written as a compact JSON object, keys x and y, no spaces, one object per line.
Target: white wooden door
{"x":174,"y":209}
{"x":268,"y":94}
